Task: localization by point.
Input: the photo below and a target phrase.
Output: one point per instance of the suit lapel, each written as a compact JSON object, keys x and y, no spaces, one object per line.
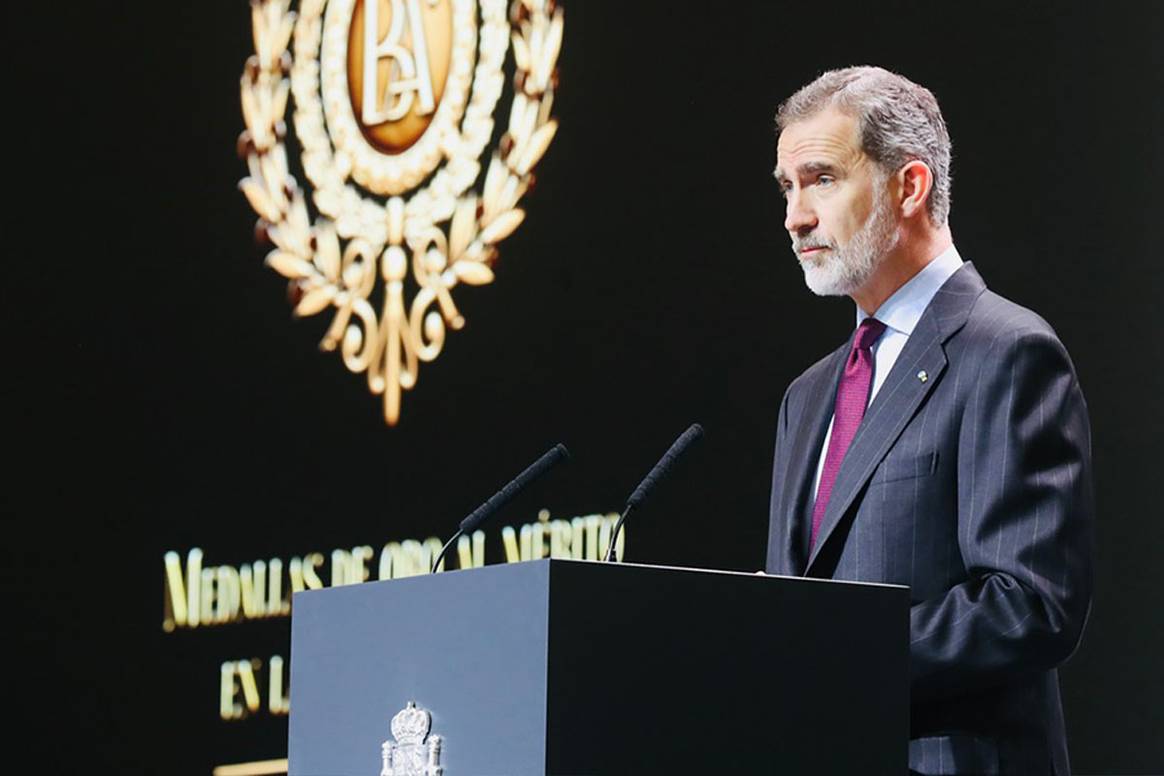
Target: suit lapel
{"x":805,"y":449}
{"x":900,"y":396}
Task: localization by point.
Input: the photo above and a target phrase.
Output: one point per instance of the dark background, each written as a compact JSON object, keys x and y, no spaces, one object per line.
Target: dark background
{"x":158,"y":396}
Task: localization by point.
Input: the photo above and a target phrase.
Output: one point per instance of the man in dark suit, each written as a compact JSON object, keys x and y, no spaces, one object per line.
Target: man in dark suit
{"x":945,"y":446}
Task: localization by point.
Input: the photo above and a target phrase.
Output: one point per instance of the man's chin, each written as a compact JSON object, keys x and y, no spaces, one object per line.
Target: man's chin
{"x":824,"y":280}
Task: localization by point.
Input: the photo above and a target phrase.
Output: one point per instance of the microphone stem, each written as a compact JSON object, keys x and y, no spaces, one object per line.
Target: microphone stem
{"x":445,"y":549}
{"x":614,"y":534}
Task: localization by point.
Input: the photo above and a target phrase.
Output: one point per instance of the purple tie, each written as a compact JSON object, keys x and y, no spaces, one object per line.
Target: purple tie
{"x":852,"y":396}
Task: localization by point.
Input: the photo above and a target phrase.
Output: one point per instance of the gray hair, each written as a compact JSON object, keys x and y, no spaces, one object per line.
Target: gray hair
{"x":899,"y":121}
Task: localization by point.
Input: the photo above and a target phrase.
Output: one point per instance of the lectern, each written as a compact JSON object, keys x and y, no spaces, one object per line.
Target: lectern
{"x":577,"y":667}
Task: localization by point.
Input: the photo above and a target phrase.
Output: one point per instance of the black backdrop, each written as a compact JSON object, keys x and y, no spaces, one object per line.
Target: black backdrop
{"x":158,"y":396}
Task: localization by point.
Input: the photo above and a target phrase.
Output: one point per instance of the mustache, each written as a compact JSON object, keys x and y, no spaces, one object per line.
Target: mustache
{"x":808,"y":242}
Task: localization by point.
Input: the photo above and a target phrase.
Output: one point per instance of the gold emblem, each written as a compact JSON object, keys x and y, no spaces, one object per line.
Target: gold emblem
{"x":394,"y":105}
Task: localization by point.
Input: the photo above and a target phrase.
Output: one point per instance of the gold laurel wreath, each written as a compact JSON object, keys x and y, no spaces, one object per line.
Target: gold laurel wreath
{"x":333,"y":261}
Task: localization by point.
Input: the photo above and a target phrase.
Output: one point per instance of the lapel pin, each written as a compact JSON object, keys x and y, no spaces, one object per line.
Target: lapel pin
{"x":923,"y":376}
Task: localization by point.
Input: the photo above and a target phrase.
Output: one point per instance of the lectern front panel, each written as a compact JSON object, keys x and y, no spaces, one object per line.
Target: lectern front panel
{"x":467,"y":646}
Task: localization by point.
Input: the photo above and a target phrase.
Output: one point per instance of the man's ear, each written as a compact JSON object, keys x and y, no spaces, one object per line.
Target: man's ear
{"x":916,"y":180}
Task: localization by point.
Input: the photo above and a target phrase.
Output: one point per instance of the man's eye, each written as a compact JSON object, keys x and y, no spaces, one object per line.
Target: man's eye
{"x":826,"y":180}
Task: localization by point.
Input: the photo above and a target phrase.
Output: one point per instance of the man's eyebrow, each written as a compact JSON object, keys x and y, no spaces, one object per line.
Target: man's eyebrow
{"x":818,"y":167}
{"x":808,"y":168}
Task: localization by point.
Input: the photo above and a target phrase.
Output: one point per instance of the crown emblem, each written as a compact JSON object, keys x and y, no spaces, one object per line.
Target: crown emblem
{"x":411,"y":725}
{"x":414,"y":752}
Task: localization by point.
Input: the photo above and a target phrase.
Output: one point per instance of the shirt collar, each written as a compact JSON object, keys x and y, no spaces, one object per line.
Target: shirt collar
{"x":904,"y":309}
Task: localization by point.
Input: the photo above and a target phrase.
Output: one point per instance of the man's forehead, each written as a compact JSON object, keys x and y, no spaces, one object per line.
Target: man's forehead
{"x":828,"y":137}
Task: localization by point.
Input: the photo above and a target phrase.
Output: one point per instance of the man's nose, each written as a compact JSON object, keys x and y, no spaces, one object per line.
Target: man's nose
{"x":799,"y":218}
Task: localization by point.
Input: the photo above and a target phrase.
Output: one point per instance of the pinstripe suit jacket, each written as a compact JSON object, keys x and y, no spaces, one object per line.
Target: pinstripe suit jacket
{"x":973,"y":487}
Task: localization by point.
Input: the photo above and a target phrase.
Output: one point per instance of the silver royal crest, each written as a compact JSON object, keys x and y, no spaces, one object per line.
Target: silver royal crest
{"x":414,"y":752}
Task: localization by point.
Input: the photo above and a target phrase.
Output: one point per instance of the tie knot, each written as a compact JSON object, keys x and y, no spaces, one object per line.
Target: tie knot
{"x":867,"y":333}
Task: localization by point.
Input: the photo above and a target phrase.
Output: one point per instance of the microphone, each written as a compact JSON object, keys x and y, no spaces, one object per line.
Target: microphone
{"x":678,"y":448}
{"x":551,"y":458}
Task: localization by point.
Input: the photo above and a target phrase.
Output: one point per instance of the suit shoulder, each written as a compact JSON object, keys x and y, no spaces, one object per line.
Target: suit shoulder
{"x":995,"y":320}
{"x":811,"y":376}
{"x":999,"y":332}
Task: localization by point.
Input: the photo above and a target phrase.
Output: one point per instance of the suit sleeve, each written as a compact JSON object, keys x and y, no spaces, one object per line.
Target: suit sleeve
{"x":1025,"y":519}
{"x":772,"y":564}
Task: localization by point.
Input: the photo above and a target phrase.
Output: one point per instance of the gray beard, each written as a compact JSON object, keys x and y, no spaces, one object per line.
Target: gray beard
{"x":842,"y":271}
